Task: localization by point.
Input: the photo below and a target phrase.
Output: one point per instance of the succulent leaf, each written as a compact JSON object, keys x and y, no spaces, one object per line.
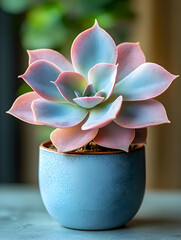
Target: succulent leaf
{"x":130,"y":56}
{"x":88,"y":102}
{"x":52,"y":56}
{"x":91,"y":47}
{"x":99,"y":93}
{"x":147,"y":81}
{"x":77,"y":94}
{"x":69,"y":82}
{"x":141,"y":114}
{"x":21,"y":108}
{"x":89,"y":91}
{"x":115,"y":136}
{"x":69,"y":139}
{"x":103,"y":114}
{"x":103,"y":76}
{"x":59,"y":115}
{"x":84,"y":101}
{"x":39,"y":76}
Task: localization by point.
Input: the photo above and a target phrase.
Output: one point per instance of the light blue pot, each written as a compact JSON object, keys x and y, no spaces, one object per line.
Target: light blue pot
{"x":92,"y":191}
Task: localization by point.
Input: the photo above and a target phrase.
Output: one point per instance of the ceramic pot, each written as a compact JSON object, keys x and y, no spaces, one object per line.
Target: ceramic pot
{"x":92,"y":191}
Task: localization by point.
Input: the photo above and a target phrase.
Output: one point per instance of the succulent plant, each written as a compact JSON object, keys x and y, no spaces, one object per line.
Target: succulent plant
{"x":105,"y":95}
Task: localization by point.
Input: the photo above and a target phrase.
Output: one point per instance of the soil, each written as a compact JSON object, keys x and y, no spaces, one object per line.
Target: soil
{"x":93,"y":147}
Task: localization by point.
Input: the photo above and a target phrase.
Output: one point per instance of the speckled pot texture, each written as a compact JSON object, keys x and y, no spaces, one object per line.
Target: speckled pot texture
{"x":92,"y":191}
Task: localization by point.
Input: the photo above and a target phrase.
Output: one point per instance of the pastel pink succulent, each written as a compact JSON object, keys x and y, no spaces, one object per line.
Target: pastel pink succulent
{"x":105,"y":95}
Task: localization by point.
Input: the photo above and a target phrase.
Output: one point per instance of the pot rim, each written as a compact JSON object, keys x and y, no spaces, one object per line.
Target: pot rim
{"x":45,"y":143}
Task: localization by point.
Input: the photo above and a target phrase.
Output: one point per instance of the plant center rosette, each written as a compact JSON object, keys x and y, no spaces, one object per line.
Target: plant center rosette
{"x":105,"y":95}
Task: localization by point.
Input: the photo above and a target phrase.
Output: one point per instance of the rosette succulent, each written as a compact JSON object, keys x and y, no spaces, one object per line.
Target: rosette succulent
{"x":104,"y":95}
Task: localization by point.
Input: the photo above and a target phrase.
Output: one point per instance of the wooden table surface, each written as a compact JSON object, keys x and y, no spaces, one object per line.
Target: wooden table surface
{"x":23,"y":216}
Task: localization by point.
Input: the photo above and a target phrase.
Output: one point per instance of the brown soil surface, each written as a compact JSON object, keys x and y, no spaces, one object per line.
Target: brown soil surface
{"x":93,"y":147}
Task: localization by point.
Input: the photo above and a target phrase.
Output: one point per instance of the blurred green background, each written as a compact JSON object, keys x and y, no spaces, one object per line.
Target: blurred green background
{"x":54,"y":24}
